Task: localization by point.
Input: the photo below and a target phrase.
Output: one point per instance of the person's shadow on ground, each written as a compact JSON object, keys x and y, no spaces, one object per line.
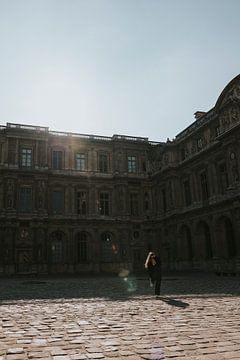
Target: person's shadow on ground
{"x":174,"y":302}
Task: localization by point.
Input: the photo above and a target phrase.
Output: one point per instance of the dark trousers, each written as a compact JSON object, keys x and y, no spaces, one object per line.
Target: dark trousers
{"x":158,"y":285}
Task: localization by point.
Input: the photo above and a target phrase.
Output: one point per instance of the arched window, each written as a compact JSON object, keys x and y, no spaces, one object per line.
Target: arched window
{"x":229,"y":236}
{"x":57,"y":247}
{"x":109,"y":247}
{"x":82,"y":247}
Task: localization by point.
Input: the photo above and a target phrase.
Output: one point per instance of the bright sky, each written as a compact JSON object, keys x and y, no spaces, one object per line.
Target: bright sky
{"x":104,"y":67}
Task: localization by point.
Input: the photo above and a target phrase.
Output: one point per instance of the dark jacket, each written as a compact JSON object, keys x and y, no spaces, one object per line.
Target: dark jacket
{"x":155,"y":271}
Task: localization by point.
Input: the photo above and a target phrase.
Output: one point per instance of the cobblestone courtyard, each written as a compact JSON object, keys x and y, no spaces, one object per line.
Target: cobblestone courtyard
{"x":197,"y":317}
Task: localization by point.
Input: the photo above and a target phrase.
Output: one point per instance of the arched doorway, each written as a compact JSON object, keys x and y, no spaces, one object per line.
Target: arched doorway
{"x":204,"y":243}
{"x":185,"y":248}
{"x":225,"y":239}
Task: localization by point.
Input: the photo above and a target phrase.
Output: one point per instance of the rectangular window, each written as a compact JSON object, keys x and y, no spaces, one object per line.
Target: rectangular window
{"x":25,"y":199}
{"x":187,"y":192}
{"x":58,"y":201}
{"x":80,"y":162}
{"x":57,"y":160}
{"x":103,"y":163}
{"x":104,"y":203}
{"x":204,"y":185}
{"x":81,"y":203}
{"x":223,"y":177}
{"x":26,"y":157}
{"x":132,"y":164}
{"x":134,"y":210}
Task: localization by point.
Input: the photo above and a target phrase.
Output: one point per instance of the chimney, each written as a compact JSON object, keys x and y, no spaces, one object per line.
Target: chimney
{"x":199,"y":114}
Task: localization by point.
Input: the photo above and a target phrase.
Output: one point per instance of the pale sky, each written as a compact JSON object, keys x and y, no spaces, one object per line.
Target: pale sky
{"x":104,"y":67}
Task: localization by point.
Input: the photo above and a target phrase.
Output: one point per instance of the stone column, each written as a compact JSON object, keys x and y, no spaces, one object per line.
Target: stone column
{"x":16,"y":152}
{"x":36,"y":154}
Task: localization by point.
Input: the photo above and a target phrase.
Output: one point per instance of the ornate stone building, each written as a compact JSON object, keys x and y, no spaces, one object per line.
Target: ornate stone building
{"x":76,"y":203}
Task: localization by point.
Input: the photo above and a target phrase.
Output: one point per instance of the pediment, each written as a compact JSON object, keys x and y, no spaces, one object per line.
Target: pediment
{"x":231,"y":93}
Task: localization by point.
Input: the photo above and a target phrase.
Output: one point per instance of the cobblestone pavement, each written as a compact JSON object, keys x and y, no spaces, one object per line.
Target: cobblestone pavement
{"x":197,"y":317}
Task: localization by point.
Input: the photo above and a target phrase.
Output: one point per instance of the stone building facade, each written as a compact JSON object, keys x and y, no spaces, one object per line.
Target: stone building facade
{"x":74,"y":203}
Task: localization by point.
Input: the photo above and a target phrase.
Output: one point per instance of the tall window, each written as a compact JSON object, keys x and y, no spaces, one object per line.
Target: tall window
{"x":57,"y":247}
{"x":57,"y":160}
{"x":82,"y":247}
{"x":81,"y":162}
{"x":204,"y":185}
{"x":134,"y":204}
{"x":132,"y":164}
{"x":104,"y":203}
{"x":58,"y":201}
{"x":187,"y":192}
{"x":25,"y":199}
{"x":146,"y":201}
{"x":103,"y":163}
{"x":26,"y":157}
{"x":109,"y":248}
{"x":223,"y":177}
{"x":81,"y":202}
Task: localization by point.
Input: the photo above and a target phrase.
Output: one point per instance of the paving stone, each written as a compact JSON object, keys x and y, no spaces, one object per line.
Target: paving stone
{"x":195,"y":319}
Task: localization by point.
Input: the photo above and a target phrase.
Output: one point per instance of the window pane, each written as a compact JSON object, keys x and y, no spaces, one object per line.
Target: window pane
{"x":103,"y":163}
{"x":26,"y":157}
{"x":134,"y":204}
{"x":204,"y":185}
{"x":187,"y":192}
{"x":25,"y":199}
{"x":57,"y":253}
{"x":58,"y":201}
{"x":57,"y":160}
{"x":82,"y":248}
{"x":109,"y":248}
{"x":104,"y":203}
{"x":132,"y":164}
{"x":81,"y":162}
{"x":81,"y":202}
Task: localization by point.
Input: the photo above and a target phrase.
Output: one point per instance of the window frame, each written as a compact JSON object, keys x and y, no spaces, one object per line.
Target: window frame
{"x":132,"y":164}
{"x":57,"y":162}
{"x":27,"y":158}
{"x":103,"y":162}
{"x":104,"y":203}
{"x":80,"y":161}
{"x":54,"y":209}
{"x":25,"y":200}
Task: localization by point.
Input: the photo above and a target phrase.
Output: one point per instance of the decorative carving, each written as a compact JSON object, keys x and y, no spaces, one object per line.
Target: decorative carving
{"x":234,"y":114}
{"x":225,"y":121}
{"x":41,"y":194}
{"x":10,"y":193}
{"x":234,"y":167}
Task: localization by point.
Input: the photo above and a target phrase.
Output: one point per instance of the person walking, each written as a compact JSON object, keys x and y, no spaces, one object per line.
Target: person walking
{"x":154,"y":266}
